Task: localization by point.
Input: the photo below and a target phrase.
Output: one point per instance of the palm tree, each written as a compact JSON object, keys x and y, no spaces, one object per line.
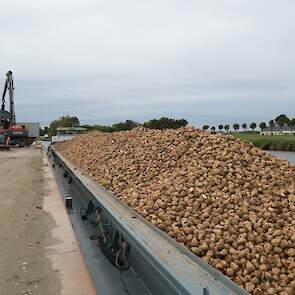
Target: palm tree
{"x":206,"y":127}
{"x":220,"y":127}
{"x":244,"y":126}
{"x":226,"y":127}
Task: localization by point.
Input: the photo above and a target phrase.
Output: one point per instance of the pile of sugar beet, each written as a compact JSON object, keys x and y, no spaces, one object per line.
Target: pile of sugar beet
{"x":229,"y":202}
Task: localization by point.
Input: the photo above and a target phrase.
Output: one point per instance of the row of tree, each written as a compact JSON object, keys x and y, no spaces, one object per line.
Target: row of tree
{"x":68,"y":121}
{"x":235,"y":126}
{"x":162,"y":123}
{"x":281,"y":120}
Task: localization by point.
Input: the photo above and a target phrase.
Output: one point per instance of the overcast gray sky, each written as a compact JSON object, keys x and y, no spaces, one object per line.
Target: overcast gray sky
{"x":106,"y":61}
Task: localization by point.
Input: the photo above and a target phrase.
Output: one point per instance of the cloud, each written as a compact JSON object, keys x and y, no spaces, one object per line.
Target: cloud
{"x":105,"y":61}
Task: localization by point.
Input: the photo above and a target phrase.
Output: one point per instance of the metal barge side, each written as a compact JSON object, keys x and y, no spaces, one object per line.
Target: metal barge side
{"x":155,"y":263}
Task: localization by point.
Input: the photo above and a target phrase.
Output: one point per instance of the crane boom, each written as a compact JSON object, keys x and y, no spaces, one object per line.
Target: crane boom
{"x":8,"y":88}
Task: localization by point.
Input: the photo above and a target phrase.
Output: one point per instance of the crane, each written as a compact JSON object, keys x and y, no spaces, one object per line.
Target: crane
{"x":7,"y":119}
{"x":16,"y":135}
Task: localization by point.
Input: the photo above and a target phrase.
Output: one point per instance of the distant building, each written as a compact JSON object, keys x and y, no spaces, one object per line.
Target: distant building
{"x":277,"y":130}
{"x":65,"y":133}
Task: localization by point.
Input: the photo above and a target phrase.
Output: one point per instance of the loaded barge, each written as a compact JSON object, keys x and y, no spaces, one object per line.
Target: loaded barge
{"x":126,"y":254}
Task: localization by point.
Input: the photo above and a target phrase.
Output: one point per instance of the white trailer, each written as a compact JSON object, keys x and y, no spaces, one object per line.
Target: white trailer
{"x":32,"y":127}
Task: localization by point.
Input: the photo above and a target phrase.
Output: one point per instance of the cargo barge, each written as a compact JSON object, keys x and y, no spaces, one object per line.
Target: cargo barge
{"x":124,"y":253}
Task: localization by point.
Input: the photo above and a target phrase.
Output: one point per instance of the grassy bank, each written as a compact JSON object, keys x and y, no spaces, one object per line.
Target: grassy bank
{"x":270,"y":142}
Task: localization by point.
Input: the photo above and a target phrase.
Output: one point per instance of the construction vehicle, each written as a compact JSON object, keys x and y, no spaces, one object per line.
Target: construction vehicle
{"x":11,"y":133}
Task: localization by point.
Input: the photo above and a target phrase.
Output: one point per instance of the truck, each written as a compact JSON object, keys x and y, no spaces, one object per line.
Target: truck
{"x":32,"y":131}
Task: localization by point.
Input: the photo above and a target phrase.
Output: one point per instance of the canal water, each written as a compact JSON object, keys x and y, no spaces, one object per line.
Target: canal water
{"x":46,"y":143}
{"x":290,"y":156}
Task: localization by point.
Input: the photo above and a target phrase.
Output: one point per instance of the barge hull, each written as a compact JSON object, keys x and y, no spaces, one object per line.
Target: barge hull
{"x":158,"y":264}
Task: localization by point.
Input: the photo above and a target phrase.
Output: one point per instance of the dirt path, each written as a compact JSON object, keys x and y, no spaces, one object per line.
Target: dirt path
{"x":30,"y":260}
{"x":24,"y":226}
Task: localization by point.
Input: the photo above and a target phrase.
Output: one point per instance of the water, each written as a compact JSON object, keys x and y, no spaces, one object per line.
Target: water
{"x":46,"y":144}
{"x":290,"y":156}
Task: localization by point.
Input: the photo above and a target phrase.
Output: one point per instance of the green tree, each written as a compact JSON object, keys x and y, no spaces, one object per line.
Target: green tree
{"x":64,"y":121}
{"x":206,"y":127}
{"x":165,"y":123}
{"x":253,"y":126}
{"x":244,"y":126}
{"x":220,"y":127}
{"x":101,"y":128}
{"x":226,"y":127}
{"x":43,"y":131}
{"x":292,"y":123}
{"x":86,"y":126}
{"x":281,"y":120}
{"x":236,"y":126}
{"x":262,"y":125}
{"x":271,"y":123}
{"x":123,"y":126}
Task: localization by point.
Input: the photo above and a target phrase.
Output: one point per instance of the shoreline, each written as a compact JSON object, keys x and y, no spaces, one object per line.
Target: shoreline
{"x":282,"y":143}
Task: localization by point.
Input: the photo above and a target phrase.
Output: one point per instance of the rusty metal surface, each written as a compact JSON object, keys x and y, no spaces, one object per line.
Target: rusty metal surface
{"x":164,"y":266}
